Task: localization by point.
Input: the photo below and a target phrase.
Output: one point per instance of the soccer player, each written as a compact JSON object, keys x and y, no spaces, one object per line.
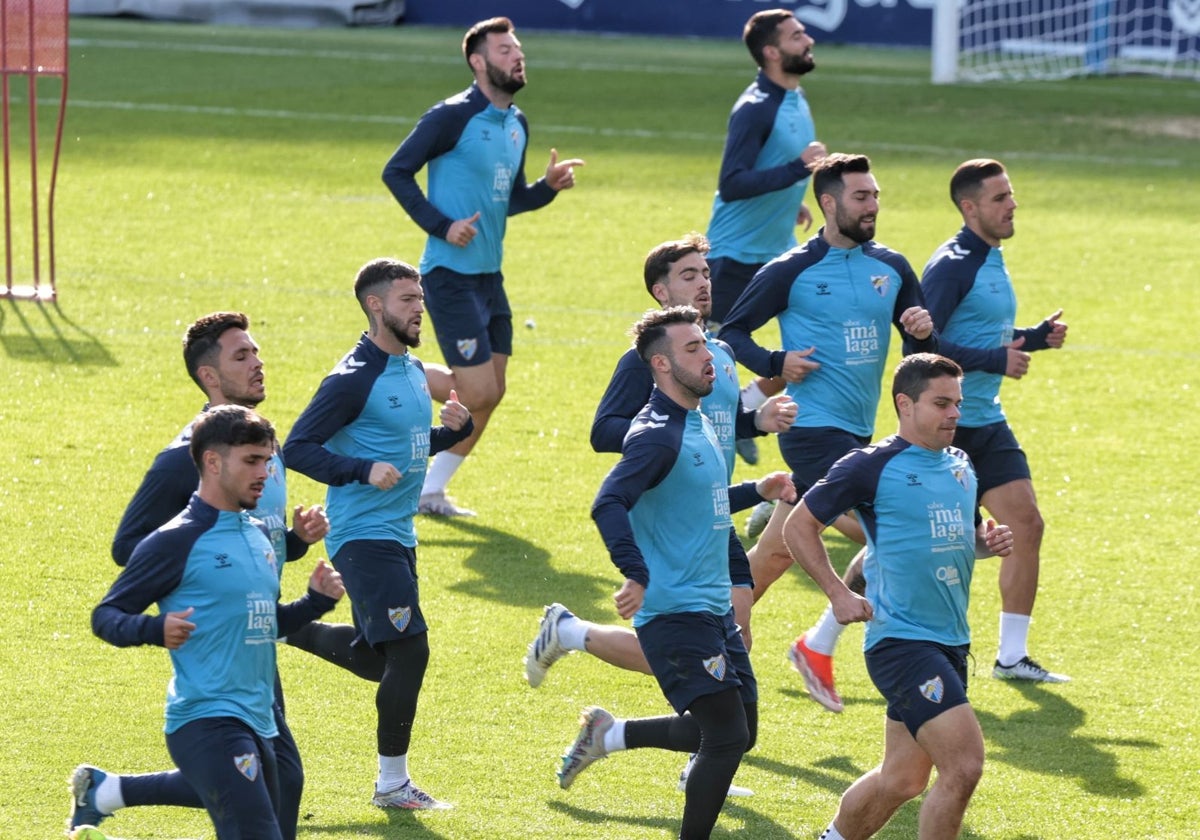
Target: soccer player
{"x":971,"y":299}
{"x":474,"y":145}
{"x":676,"y":274}
{"x":834,"y":297}
{"x":663,"y":512}
{"x":915,"y":495}
{"x":366,"y":434}
{"x":974,"y":308}
{"x":213,"y":572}
{"x":223,"y":360}
{"x":769,"y":146}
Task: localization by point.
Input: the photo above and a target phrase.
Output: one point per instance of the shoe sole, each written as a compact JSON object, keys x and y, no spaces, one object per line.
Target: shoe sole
{"x":816,"y":690}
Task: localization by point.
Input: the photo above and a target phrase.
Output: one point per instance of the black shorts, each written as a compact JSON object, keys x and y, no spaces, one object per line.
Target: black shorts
{"x":919,"y":680}
{"x":381,"y":579}
{"x":809,"y":453}
{"x":995,"y":454}
{"x":729,"y":279}
{"x":233,"y":769}
{"x":697,"y":653}
{"x":471,"y":315}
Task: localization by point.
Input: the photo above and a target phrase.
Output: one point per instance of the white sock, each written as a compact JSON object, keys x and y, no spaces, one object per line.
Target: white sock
{"x":823,"y":636}
{"x":572,"y":632}
{"x":752,"y":396}
{"x":108,"y":794}
{"x":441,"y":470}
{"x":614,"y":738}
{"x":1014,"y":638}
{"x":831,"y":833}
{"x":393,"y":772}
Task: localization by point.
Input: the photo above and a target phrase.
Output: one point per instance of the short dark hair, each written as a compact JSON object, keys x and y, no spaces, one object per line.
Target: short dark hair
{"x":763,"y":30}
{"x":662,"y":257}
{"x":202,"y":341}
{"x":828,"y":172}
{"x":476,"y":36}
{"x":378,"y":273}
{"x":225,"y":426}
{"x":915,"y":372}
{"x":650,"y":332}
{"x":968,"y":178}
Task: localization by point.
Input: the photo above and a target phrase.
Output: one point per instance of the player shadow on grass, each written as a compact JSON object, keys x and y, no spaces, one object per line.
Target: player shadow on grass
{"x":59,"y":341}
{"x":398,"y":824}
{"x":511,"y":570}
{"x":1040,"y":740}
{"x":735,"y":819}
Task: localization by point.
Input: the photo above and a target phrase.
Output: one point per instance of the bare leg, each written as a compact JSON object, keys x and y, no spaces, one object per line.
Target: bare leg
{"x":1015,"y":505}
{"x":616,"y":645}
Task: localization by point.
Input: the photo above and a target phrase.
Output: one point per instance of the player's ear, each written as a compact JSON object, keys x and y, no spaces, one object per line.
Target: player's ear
{"x":660,"y":293}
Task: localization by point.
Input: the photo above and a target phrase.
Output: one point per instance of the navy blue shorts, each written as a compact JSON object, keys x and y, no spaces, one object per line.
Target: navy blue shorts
{"x":809,"y":453}
{"x":995,"y":453}
{"x":695,"y":654}
{"x":233,"y":769}
{"x":380,"y":577}
{"x":919,"y":680}
{"x":471,"y":315}
{"x":729,"y":279}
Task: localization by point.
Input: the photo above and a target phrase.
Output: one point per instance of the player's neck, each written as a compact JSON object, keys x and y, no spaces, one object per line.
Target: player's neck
{"x":500,"y":100}
{"x":388,"y":343}
{"x":787,"y":81}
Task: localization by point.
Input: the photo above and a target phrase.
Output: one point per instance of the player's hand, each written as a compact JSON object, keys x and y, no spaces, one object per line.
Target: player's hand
{"x":777,"y":486}
{"x":804,"y":218}
{"x":462,"y":231}
{"x":383,"y":475}
{"x":629,"y":598}
{"x":848,"y":608}
{"x":917,"y":322}
{"x":454,"y":415}
{"x":797,"y":364}
{"x":997,"y":538}
{"x":777,"y":414}
{"x":560,"y":175}
{"x":310,"y":525}
{"x":813,"y":152}
{"x":326,"y":580}
{"x":177,"y":629}
{"x":1058,"y":331}
{"x":1017,"y":364}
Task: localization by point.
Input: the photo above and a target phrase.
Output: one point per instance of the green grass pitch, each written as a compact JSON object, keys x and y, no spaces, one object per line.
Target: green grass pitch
{"x":223,"y":168}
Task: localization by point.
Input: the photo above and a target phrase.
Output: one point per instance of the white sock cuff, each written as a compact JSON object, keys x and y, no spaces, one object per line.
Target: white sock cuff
{"x":752,"y":396}
{"x":441,"y":470}
{"x":572,"y":632}
{"x":614,"y":738}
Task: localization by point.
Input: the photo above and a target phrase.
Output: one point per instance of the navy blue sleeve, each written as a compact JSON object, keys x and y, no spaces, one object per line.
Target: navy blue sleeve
{"x":750,"y":126}
{"x":642,"y":466}
{"x":910,"y":295}
{"x":296,"y":547}
{"x":525,"y":196}
{"x":1035,"y":337}
{"x":739,"y":563}
{"x":626,"y":395}
{"x":435,"y":134}
{"x":850,"y":484}
{"x":744,"y":495}
{"x":441,"y":437}
{"x":309,"y":607}
{"x":163,"y":493}
{"x":155,"y":569}
{"x":337,"y":402}
{"x":945,"y":285}
{"x":764,"y":298}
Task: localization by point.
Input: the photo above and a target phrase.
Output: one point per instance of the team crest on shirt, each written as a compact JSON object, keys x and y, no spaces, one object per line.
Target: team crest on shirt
{"x":716,"y":667}
{"x":273,"y":472}
{"x":247,"y":765}
{"x":467,"y":347}
{"x":400,"y":616}
{"x":933,"y":690}
{"x":881,"y":283}
{"x":269,"y":556}
{"x":960,"y":475}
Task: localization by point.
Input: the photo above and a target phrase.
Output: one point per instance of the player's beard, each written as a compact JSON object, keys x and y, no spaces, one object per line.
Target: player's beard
{"x":798,"y":65}
{"x":694,"y":384}
{"x":501,"y":80}
{"x":853,"y":229}
{"x":410,"y":337}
